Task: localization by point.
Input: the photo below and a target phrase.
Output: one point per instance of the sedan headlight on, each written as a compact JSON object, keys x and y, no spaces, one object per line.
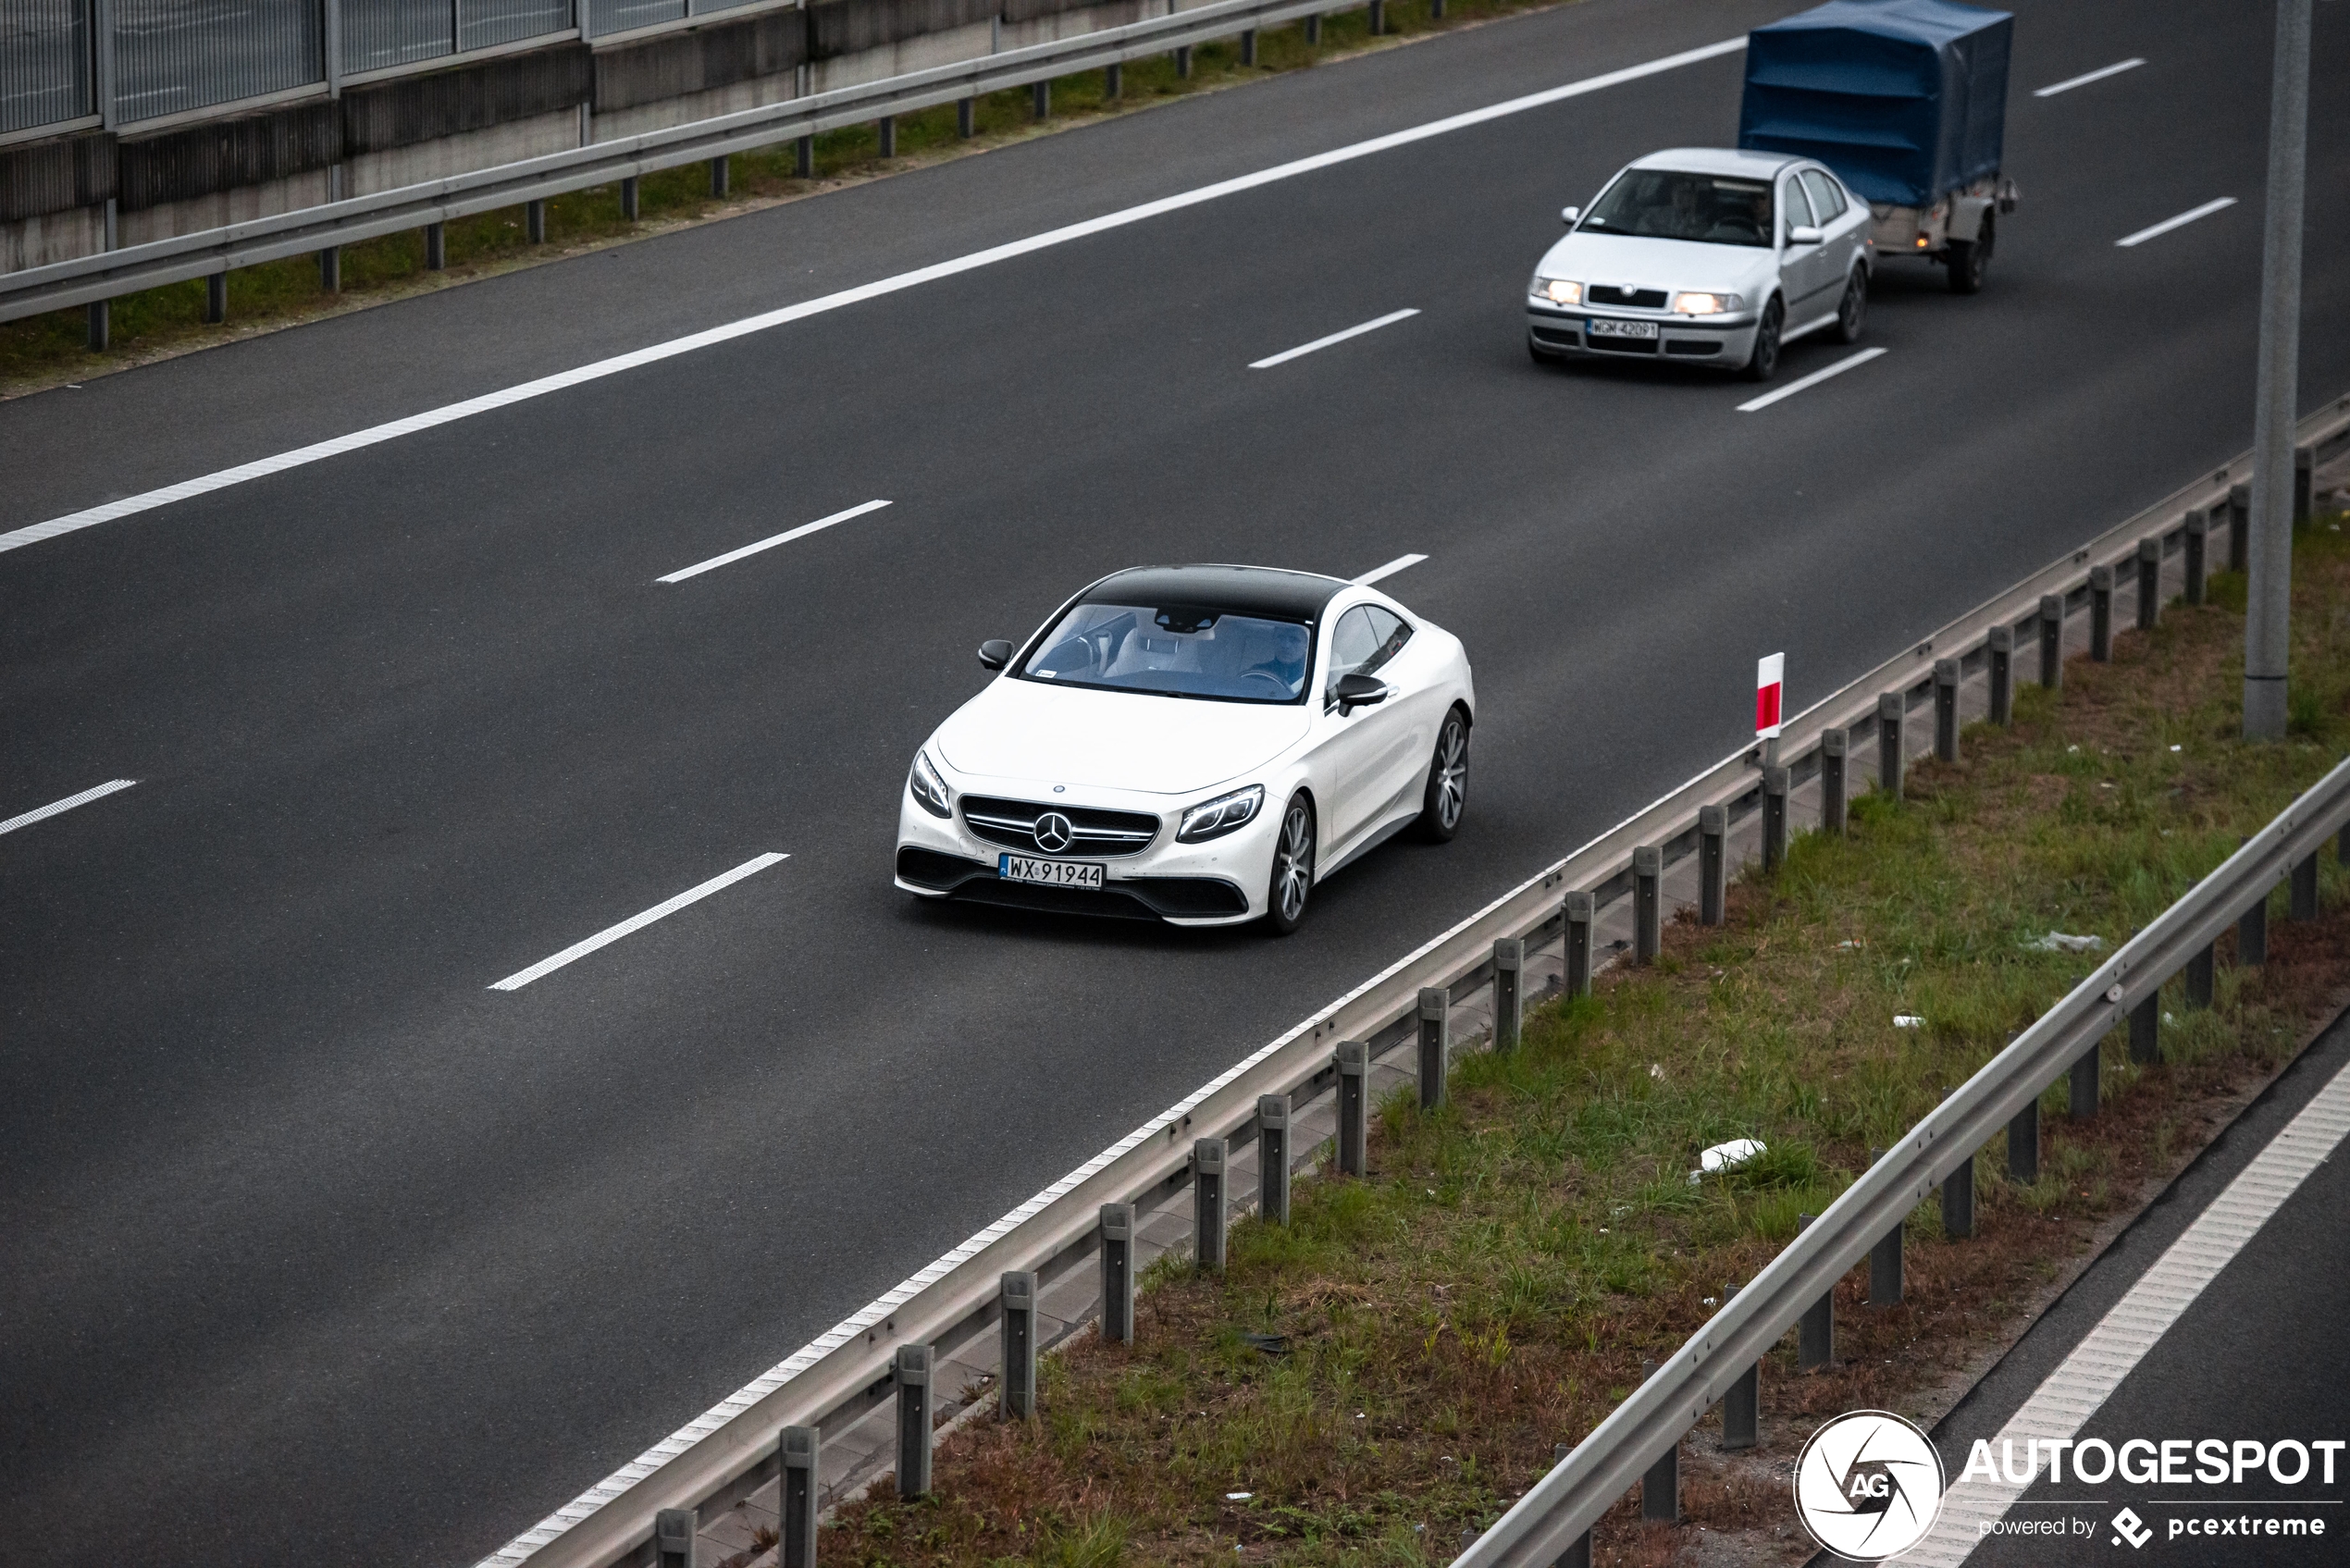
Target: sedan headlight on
{"x":1706,"y":304}
{"x":929,"y":788}
{"x":1558,"y":291}
{"x":1214,"y":818}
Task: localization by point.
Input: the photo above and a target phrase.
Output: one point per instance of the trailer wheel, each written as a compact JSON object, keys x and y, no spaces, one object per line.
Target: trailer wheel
{"x":1764,"y":362}
{"x":1967,"y":260}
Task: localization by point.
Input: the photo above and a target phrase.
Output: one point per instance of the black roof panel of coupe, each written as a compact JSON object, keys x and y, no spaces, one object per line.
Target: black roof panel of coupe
{"x":1240,"y":590}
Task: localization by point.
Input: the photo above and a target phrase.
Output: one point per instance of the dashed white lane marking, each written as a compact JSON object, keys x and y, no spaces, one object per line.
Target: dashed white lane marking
{"x":2069,"y":83}
{"x":521,"y":977}
{"x":262,"y":467}
{"x":98,"y":793}
{"x":1838,"y":368}
{"x":1389,"y":319}
{"x":2074,"y":1392}
{"x":783,"y":538}
{"x":2168,"y":224}
{"x":1378,"y":573}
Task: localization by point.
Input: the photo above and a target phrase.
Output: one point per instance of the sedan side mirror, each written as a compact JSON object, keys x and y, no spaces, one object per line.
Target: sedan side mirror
{"x":1804,"y":234}
{"x":995,"y":653}
{"x":1359,"y":691}
{"x":1570,"y":215}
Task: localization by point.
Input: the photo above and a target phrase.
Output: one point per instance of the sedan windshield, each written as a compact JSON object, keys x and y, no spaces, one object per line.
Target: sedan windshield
{"x":1175,"y":650}
{"x":1663,"y":204}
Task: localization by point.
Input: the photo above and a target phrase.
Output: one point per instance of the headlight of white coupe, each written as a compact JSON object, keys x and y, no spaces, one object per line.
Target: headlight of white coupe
{"x":1558,"y":291}
{"x":1213,"y":819}
{"x":929,"y":788}
{"x":1706,"y":304}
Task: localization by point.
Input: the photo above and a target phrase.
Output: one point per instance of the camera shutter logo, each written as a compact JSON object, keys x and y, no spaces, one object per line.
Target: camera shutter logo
{"x":1868,"y":1486}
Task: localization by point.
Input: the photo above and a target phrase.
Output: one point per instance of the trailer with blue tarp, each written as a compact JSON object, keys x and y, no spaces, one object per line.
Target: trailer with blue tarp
{"x":1906,"y":99}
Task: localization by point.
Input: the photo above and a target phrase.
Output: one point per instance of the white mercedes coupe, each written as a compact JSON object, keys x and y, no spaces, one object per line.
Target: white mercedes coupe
{"x":1198,"y":745}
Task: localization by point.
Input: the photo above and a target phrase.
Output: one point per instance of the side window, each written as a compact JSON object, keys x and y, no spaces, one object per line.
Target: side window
{"x":1364,"y":639}
{"x":1826,"y":200}
{"x":1798,"y":210}
{"x":1391,"y":633}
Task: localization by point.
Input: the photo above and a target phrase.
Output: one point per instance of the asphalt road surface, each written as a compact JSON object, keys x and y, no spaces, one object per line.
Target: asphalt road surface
{"x":320,"y":1249}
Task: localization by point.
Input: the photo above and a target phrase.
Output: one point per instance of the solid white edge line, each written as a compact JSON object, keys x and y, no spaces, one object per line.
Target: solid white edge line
{"x":2086,"y":77}
{"x":610,"y":934}
{"x":261,"y":467}
{"x":1389,"y":319}
{"x":2109,"y":1353}
{"x":2168,"y":224}
{"x":1378,"y":574}
{"x":783,"y":538}
{"x":1838,"y":368}
{"x":98,"y":792}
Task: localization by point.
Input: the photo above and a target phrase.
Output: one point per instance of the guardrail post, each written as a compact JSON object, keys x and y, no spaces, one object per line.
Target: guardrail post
{"x":1272,"y":1158}
{"x":720,"y":174}
{"x":1884,"y":1260}
{"x":1579,"y":1552}
{"x":1742,"y":1401}
{"x":1379,"y":25}
{"x":2145,"y":1031}
{"x":1999,"y":658}
{"x":101,"y":326}
{"x":2085,"y":1085}
{"x":2304,"y":461}
{"x":804,"y":150}
{"x":885,"y":131}
{"x":1648,"y":903}
{"x":1576,"y":940}
{"x":1815,"y":1330}
{"x":1248,"y":47}
{"x":1509,"y":992}
{"x":1041,"y":104}
{"x":2198,"y":973}
{"x":1774,"y":789}
{"x":2051,"y":640}
{"x":1118,"y":1272}
{"x":2341,"y":846}
{"x":2023,"y":1144}
{"x":1660,"y":1487}
{"x":965,"y":109}
{"x":803,"y":1449}
{"x":1892,"y":753}
{"x":1835,"y":746}
{"x":1314,"y":29}
{"x":1436,"y":13}
{"x":674,"y":1539}
{"x":2304,"y":887}
{"x":216,"y":297}
{"x":1946,"y":710}
{"x":2149,"y":582}
{"x":2239,"y":526}
{"x":1354,"y":1106}
{"x":2101,"y":613}
{"x":913,"y":1421}
{"x":1183,"y":61}
{"x":1114,"y":80}
{"x":1436,"y":1024}
{"x":1208,"y":1208}
{"x":1713,"y":864}
{"x":436,"y":246}
{"x":331,"y":269}
{"x":534,"y":221}
{"x":2197,"y":536}
{"x":1957,"y":1201}
{"x":1017,"y":1298}
{"x":2251,"y":933}
{"x":629,"y":205}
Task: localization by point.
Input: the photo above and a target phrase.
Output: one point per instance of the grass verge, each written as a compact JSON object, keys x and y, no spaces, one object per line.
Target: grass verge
{"x":1493,"y":1286}
{"x":51,"y":349}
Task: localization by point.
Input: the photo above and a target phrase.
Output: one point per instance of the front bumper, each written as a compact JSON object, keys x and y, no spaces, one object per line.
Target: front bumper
{"x":1222,"y":882}
{"x":1726,"y":340}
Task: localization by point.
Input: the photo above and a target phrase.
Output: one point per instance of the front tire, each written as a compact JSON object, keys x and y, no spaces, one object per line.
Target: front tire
{"x":1853,"y":312}
{"x":1293,"y":880}
{"x":1764,"y":362}
{"x":1446,"y":798}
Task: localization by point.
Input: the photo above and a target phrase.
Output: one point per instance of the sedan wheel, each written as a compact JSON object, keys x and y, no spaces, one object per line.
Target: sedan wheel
{"x":1292,"y":882}
{"x":1764,"y":361}
{"x":1447,"y":793}
{"x":1852,"y":314}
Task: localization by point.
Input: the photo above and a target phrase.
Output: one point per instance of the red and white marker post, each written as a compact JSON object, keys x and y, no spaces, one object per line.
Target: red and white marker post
{"x":1770,"y":685}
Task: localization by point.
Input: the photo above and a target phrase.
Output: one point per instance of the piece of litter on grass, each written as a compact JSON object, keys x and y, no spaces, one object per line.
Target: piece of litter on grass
{"x":2073,"y":748}
{"x":1908,"y":1020}
{"x":1603,"y":1229}
{"x":1724,"y":1156}
{"x":1656,"y":1071}
{"x":2178,"y":748}
{"x":1707,"y":1302}
{"x":2168,"y":1018}
{"x":1853,"y":944}
{"x":2064,"y":942}
{"x":1238,"y":1497}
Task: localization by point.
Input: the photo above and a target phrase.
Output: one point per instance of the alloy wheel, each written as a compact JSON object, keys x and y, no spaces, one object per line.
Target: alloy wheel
{"x":1293,"y":863}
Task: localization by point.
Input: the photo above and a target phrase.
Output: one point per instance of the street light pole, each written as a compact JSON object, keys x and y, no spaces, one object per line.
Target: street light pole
{"x":2268,"y":621}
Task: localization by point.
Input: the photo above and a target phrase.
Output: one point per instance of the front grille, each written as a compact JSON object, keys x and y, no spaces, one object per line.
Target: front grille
{"x":1622,"y":345}
{"x":1684,"y":346}
{"x":1094,"y":833}
{"x":1638,"y":299}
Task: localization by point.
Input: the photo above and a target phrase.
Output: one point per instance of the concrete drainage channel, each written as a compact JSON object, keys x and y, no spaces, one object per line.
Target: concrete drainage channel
{"x":862,"y":1401}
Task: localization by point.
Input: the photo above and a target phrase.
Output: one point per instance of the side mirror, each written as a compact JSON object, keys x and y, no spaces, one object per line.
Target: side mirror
{"x":1359,"y":691}
{"x":1804,"y":234}
{"x":1570,"y":215}
{"x":995,"y":653}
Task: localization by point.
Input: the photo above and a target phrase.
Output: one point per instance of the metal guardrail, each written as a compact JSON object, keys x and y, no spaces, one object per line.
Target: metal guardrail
{"x":107,"y":274}
{"x":730,"y":1451}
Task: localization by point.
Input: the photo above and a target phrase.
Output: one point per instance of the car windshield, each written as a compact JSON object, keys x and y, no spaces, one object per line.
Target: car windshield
{"x":1175,"y":650}
{"x":1666,"y":204}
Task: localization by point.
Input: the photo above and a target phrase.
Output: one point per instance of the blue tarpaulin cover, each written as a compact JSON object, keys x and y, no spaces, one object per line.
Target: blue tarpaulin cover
{"x":1905,"y":99}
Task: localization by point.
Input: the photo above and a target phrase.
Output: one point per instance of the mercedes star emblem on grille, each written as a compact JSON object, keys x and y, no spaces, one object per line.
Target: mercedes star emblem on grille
{"x":1054,"y":832}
